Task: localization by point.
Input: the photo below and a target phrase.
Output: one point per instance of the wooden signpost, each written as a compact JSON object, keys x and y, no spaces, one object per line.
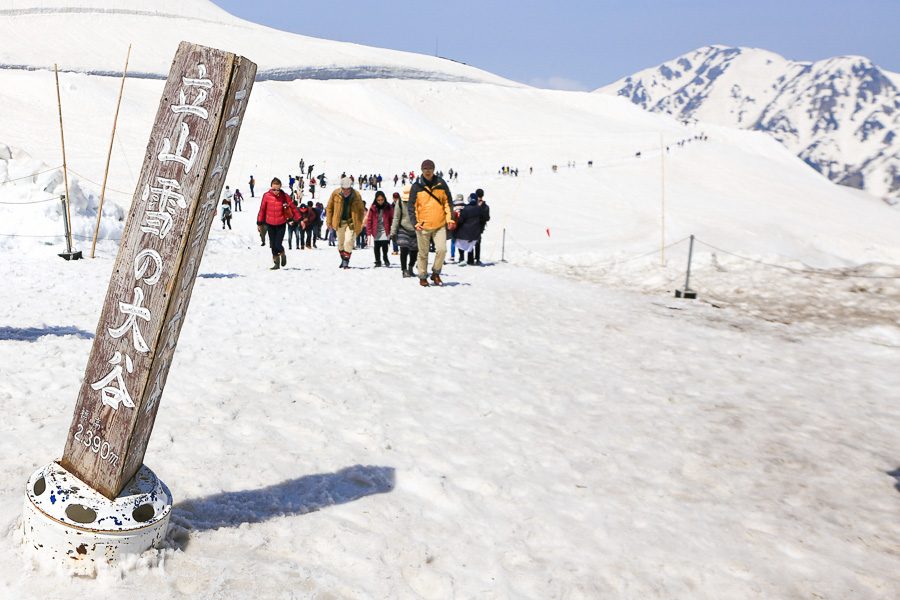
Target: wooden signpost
{"x":174,"y":206}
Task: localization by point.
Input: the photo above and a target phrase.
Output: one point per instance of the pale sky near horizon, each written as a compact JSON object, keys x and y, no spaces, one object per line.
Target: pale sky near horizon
{"x":585,"y":44}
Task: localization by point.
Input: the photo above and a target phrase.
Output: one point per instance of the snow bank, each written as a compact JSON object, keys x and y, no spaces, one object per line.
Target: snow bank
{"x":31,"y":212}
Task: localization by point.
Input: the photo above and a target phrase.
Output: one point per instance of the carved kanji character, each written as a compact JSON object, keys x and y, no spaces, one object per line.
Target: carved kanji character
{"x":178,"y":156}
{"x":162,"y":204}
{"x":113,"y":396}
{"x":133,"y":312}
{"x":195,"y":106}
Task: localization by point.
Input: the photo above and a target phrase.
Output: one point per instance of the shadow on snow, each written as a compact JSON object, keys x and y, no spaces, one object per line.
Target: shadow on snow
{"x":32,"y":334}
{"x":219,"y":276}
{"x":292,"y":497}
{"x":896,"y":475}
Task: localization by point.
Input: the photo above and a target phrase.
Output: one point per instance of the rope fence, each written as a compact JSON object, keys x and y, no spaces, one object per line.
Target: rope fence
{"x":50,"y":199}
{"x":846,"y":273}
{"x":30,"y":176}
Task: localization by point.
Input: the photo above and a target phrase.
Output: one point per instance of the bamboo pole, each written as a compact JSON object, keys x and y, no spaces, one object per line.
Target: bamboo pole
{"x":62,"y":137}
{"x":662,"y":230}
{"x":112,"y":140}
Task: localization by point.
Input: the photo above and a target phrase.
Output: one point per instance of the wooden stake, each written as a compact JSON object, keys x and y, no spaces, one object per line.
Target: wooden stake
{"x":662,"y":242}
{"x":109,"y":154}
{"x":62,"y":137}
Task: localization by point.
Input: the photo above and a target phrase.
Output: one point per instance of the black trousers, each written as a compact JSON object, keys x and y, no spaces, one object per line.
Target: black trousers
{"x":293,"y":232}
{"x":382,"y":247}
{"x":307,"y":237}
{"x":276,"y":238}
{"x":411,"y":255}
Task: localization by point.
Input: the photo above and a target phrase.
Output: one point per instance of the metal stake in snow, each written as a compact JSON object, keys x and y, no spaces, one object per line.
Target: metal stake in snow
{"x":67,"y":227}
{"x":687,"y":292}
{"x":102,"y":500}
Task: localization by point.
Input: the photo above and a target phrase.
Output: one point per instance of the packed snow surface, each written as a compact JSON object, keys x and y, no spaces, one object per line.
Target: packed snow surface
{"x":516,"y":434}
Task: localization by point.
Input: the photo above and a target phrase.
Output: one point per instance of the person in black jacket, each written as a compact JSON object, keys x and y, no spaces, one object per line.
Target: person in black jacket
{"x":469,"y":225}
{"x":485,"y":217}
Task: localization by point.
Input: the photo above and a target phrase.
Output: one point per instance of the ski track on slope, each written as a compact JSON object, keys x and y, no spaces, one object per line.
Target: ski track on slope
{"x":579,"y":441}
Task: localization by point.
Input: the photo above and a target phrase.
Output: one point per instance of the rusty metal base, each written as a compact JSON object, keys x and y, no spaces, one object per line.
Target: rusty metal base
{"x":68,"y":523}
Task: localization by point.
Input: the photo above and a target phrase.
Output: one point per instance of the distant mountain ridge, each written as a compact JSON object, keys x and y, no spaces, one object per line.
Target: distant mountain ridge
{"x":91,"y":37}
{"x":840,"y":115}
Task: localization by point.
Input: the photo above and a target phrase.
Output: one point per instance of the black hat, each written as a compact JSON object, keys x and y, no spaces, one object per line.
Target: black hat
{"x":479,"y":193}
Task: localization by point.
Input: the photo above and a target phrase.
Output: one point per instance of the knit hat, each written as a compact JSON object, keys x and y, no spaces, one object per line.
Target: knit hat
{"x":427,"y":164}
{"x":345,"y":183}
{"x":459,"y":200}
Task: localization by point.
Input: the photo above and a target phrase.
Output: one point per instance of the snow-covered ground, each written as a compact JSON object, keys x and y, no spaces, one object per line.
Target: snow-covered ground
{"x":557,"y":426}
{"x":516,"y":434}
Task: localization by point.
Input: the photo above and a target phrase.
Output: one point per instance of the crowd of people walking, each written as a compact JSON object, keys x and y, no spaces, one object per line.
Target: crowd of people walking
{"x":418,"y":221}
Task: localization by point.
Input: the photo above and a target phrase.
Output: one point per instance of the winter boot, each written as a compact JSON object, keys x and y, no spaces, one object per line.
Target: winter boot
{"x":347,"y":256}
{"x":423,"y":282}
{"x":436,"y":279}
{"x":283,"y":258}
{"x":277,"y":262}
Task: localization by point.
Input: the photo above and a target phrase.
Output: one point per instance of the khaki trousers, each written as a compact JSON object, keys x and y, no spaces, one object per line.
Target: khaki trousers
{"x":346,"y":237}
{"x":425,"y":238}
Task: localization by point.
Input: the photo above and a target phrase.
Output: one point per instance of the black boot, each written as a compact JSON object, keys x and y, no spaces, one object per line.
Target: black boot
{"x":277,"y":262}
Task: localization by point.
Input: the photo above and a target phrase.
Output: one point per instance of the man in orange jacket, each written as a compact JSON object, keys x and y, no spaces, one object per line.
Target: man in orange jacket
{"x":429,"y":209}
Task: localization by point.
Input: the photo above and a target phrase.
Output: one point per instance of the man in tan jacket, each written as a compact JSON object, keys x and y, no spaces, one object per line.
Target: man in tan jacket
{"x":429,"y":209}
{"x":346,"y":215}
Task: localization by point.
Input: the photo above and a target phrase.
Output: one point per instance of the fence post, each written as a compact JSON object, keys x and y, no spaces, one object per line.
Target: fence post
{"x":68,"y":254}
{"x":687,"y":293}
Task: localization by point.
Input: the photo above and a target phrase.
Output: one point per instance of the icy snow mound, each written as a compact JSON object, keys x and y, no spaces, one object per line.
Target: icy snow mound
{"x":31,"y":211}
{"x":156,"y":33}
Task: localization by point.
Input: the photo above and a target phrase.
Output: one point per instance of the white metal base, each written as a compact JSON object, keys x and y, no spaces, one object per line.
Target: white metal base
{"x":67,"y":522}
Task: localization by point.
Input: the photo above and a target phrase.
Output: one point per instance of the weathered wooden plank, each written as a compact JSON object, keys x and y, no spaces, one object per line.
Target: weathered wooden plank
{"x":187,"y":159}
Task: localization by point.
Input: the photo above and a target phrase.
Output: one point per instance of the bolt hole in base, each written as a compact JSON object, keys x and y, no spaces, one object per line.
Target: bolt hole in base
{"x":40,"y":486}
{"x":81,"y":514}
{"x":143,"y":513}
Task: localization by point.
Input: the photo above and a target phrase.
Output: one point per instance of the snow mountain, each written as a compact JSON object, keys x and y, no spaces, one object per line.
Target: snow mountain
{"x":840,"y":115}
{"x":157,"y":28}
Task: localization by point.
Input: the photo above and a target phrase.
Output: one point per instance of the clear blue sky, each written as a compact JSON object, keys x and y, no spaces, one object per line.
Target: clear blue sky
{"x":584,"y":44}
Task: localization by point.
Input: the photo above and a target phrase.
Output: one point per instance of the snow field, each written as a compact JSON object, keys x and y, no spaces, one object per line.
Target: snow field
{"x":576,"y":441}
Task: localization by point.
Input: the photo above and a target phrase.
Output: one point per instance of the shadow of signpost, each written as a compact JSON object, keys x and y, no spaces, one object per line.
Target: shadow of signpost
{"x":33,"y":334}
{"x":293,"y":497}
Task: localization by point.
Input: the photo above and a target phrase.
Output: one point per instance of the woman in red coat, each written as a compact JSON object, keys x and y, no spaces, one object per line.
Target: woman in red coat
{"x":275,"y":210}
